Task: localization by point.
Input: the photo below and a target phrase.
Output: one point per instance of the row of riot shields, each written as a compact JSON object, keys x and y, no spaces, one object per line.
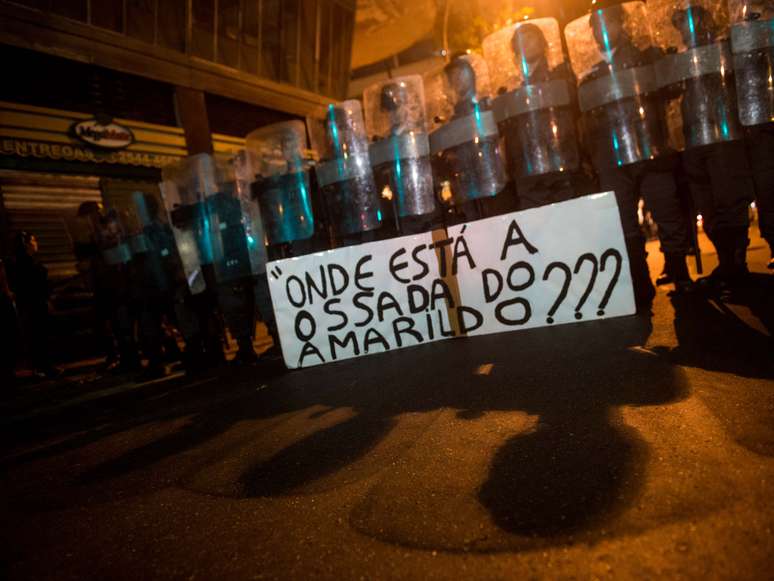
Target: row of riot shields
{"x":676,"y":74}
{"x":639,"y":82}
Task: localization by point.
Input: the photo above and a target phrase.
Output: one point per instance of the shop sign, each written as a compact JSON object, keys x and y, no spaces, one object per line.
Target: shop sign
{"x":103,"y":134}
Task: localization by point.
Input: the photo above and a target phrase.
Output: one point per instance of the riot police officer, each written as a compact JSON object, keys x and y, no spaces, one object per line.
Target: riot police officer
{"x":183,"y":192}
{"x":753,"y":47}
{"x":534,"y":110}
{"x":698,"y":72}
{"x":400,"y":151}
{"x":623,"y":126}
{"x":105,"y":258}
{"x":156,"y":272}
{"x":239,"y":254}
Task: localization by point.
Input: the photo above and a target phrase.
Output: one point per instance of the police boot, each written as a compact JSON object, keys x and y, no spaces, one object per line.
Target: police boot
{"x":731,"y":246}
{"x":644,"y":292}
{"x":246,"y":354}
{"x":676,"y":269}
{"x":275,"y":351}
{"x":194,"y":357}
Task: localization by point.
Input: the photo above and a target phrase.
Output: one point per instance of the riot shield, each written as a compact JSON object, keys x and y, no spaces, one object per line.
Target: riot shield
{"x":534,"y":107}
{"x":184,"y":202}
{"x":612,"y":55}
{"x":236,"y":230}
{"x":281,"y":185}
{"x":400,"y":151}
{"x":464,"y":141}
{"x":752,"y":45}
{"x":344,"y":173}
{"x":152,"y":242}
{"x":112,"y":239}
{"x":696,"y":71}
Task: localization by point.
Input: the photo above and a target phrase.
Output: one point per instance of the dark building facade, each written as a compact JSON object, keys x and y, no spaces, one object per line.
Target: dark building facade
{"x":172,"y":77}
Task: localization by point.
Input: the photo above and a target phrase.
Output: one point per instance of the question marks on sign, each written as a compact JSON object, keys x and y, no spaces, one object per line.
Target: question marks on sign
{"x":610,"y":252}
{"x":565,"y":287}
{"x":596,"y":268}
{"x":588,"y":257}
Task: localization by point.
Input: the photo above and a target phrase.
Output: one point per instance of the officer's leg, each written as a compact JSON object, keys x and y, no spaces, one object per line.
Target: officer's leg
{"x":265,"y":310}
{"x":760,"y":142}
{"x":151,"y":336}
{"x":123,"y":320}
{"x":188,"y":325}
{"x":621,"y":181}
{"x":659,"y":189}
{"x":732,"y":191}
{"x":238,"y":305}
{"x":726,"y":199}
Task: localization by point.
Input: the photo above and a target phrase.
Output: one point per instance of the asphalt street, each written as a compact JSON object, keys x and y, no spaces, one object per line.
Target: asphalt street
{"x":639,"y":447}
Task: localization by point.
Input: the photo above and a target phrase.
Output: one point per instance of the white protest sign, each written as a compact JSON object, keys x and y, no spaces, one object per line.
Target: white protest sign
{"x":357,"y":300}
{"x":556,"y":264}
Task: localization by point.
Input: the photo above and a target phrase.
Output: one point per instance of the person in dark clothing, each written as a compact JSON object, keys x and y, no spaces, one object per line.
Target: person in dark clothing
{"x":29,"y":283}
{"x":628,"y":142}
{"x":156,"y":273}
{"x":760,"y":146}
{"x":108,"y":279}
{"x":753,"y":65}
{"x":9,"y":330}
{"x":715,"y":159}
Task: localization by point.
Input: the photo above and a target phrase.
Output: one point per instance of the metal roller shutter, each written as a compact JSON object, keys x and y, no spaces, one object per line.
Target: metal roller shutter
{"x":43,"y":204}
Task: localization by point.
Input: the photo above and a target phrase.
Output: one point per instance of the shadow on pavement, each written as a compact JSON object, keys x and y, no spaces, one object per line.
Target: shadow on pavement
{"x":713,"y":335}
{"x":536,"y":449}
{"x":731,"y":334}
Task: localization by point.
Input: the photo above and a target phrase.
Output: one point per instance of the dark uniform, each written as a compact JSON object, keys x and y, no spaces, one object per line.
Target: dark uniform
{"x":752,"y":43}
{"x":629,"y":148}
{"x":239,"y":259}
{"x":714,"y":160}
{"x":157,"y":272}
{"x":196,"y":306}
{"x":760,"y":145}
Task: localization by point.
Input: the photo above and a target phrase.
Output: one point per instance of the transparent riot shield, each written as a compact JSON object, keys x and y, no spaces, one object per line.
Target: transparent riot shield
{"x":752,"y":45}
{"x":400,"y":150}
{"x":129,"y":212}
{"x":187,"y":212}
{"x":464,"y":142}
{"x":534,"y":107}
{"x":236,"y":230}
{"x":154,"y":252}
{"x":612,"y":55}
{"x":344,"y":172}
{"x":696,"y":72}
{"x":281,"y":181}
{"x":112,"y":239}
